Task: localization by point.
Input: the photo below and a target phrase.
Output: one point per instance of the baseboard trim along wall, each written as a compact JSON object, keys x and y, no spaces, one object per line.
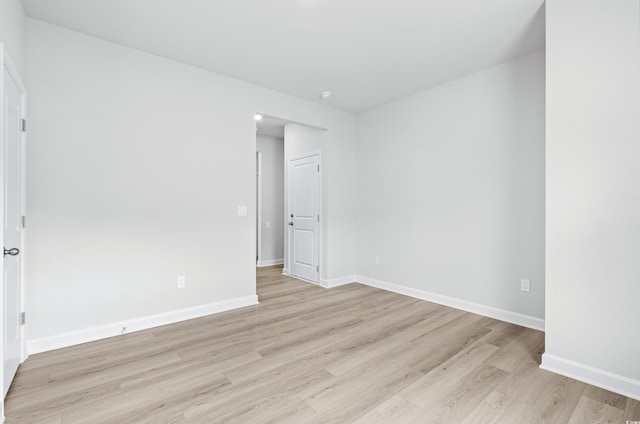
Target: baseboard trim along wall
{"x":476,"y":308}
{"x":596,"y":377}
{"x":128,"y":326}
{"x":336,"y":282}
{"x":270,"y":262}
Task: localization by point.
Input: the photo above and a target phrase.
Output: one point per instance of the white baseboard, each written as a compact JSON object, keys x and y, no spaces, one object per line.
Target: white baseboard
{"x":270,"y":262}
{"x":335,"y":282}
{"x":102,"y":332}
{"x":476,"y":308}
{"x":596,"y":377}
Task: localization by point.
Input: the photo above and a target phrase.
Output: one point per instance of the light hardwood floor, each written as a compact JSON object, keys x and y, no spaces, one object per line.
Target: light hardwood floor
{"x":351,"y":354}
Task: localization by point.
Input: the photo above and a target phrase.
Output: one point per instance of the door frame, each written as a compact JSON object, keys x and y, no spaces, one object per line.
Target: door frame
{"x":288,"y":232}
{"x":258,"y":207}
{"x":15,"y":76}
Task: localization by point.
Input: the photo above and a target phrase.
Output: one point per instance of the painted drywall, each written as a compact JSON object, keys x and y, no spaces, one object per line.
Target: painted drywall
{"x":593,"y":129}
{"x":451,"y":189}
{"x":12,"y":31}
{"x":272,"y":151}
{"x":337,"y":213}
{"x":136,"y":167}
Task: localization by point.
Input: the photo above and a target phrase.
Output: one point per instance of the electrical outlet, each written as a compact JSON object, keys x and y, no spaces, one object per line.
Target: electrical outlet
{"x":181,"y":281}
{"x":525,"y":285}
{"x":377,"y":260}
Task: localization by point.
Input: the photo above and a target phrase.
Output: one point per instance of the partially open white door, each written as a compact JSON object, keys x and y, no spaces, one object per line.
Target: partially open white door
{"x":304,"y":185}
{"x":12,"y":194}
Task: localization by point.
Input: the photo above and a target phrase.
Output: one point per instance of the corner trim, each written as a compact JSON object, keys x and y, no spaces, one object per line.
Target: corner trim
{"x":115,"y":329}
{"x":595,"y":376}
{"x":476,"y":308}
{"x":270,"y":262}
{"x":285,"y":271}
{"x":336,"y":282}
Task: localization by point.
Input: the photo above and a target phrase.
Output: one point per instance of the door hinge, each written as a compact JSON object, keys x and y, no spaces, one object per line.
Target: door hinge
{"x":23,"y":318}
{"x":318,"y":218}
{"x":24,"y":125}
{"x":317,"y":268}
{"x":23,"y":221}
{"x":318,"y":168}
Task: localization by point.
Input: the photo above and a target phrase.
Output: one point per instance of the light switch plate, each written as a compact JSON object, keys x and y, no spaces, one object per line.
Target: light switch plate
{"x":242,"y":211}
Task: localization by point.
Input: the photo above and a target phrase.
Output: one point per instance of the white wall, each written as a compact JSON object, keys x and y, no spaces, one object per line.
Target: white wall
{"x":12,"y":31}
{"x":451,"y":189}
{"x":338,"y":205}
{"x":593,"y":186}
{"x":272,"y":150}
{"x":136,"y":166}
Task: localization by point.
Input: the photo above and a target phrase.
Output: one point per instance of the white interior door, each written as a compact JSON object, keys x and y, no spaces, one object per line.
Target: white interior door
{"x":12,"y":228}
{"x":304,"y":183}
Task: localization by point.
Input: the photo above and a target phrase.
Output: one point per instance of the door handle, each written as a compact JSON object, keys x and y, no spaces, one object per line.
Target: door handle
{"x":11,"y":252}
{"x":291,"y":223}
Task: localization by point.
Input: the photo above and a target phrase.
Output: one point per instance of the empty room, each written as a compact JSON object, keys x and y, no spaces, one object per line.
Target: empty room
{"x":320,"y":211}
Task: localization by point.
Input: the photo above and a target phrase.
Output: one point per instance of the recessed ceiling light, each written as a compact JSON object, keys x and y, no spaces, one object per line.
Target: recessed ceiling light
{"x":325,"y":95}
{"x":258,"y":117}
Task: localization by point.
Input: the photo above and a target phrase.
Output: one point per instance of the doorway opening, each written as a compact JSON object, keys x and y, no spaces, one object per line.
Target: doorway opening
{"x":270,"y":230}
{"x":289,"y":197}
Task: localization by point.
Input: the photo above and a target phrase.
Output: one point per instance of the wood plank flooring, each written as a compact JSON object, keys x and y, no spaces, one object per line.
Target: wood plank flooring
{"x":351,"y":354}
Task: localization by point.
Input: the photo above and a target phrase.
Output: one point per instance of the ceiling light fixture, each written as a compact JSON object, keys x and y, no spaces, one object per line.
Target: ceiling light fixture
{"x":325,"y":95}
{"x":258,"y":117}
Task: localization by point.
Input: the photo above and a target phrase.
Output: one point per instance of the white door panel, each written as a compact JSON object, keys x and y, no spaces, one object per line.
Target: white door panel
{"x":304,"y":256}
{"x":12,"y":226}
{"x":304,"y":213}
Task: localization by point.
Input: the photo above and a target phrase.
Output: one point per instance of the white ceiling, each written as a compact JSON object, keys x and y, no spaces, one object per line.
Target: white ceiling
{"x":367,"y":52}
